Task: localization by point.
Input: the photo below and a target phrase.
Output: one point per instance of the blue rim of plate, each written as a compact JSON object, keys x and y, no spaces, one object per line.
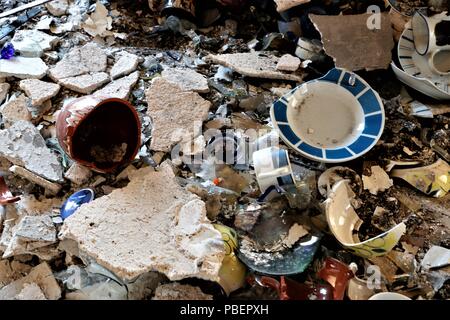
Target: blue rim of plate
{"x":374,"y":118}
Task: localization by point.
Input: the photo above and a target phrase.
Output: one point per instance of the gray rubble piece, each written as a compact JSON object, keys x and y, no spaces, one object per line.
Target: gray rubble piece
{"x":23,"y":145}
{"x":4,"y":88}
{"x":57,"y":7}
{"x":89,"y":62}
{"x":42,"y":276}
{"x":152,"y":224}
{"x":288,"y":63}
{"x":87,"y":83}
{"x":125,"y":64}
{"x":39,"y":91}
{"x":120,"y":88}
{"x":78,"y":174}
{"x":254,"y":64}
{"x":16,"y":109}
{"x":33,"y":43}
{"x":177,"y":291}
{"x":28,"y":205}
{"x":30,"y":291}
{"x":177,"y":115}
{"x":187,"y":79}
{"x":23,"y":68}
{"x":51,"y":187}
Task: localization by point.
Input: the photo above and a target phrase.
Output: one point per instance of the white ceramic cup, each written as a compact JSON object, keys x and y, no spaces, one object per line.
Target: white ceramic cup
{"x":388,"y":296}
{"x":428,"y":34}
{"x":273,"y":168}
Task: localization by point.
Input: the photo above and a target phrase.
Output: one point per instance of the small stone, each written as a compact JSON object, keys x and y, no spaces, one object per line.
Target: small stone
{"x":32,"y":43}
{"x":23,"y":68}
{"x":87,"y":83}
{"x":39,"y":91}
{"x":42,"y":276}
{"x":4,"y":88}
{"x":23,"y":145}
{"x":120,"y":88}
{"x":177,"y":115}
{"x":253,"y":64}
{"x":125,"y":64}
{"x":78,"y":174}
{"x":87,"y":59}
{"x":53,"y":188}
{"x":187,"y":79}
{"x":288,"y":63}
{"x":177,"y":291}
{"x":30,"y":291}
{"x":15,"y":110}
{"x":57,"y":7}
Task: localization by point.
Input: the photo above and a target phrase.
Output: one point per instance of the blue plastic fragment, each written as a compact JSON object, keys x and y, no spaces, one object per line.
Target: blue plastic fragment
{"x":7,"y":52}
{"x":75,"y":201}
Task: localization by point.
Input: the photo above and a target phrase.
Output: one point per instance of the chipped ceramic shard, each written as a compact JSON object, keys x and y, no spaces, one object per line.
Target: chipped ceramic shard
{"x":23,"y":145}
{"x":75,"y":201}
{"x":378,"y":181}
{"x":177,"y":291}
{"x":333,"y":175}
{"x":177,"y":115}
{"x":433,"y":180}
{"x":39,"y":91}
{"x":187,"y":79}
{"x":436,"y":257}
{"x":254,"y":64}
{"x":283,"y":5}
{"x":352,"y":44}
{"x":176,"y":238}
{"x":343,"y":222}
{"x":23,"y":68}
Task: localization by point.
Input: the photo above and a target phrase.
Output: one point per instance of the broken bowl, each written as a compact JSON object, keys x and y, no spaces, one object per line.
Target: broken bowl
{"x":75,"y":201}
{"x":99,"y":133}
{"x":333,"y":119}
{"x":389,"y":296}
{"x":344,"y":224}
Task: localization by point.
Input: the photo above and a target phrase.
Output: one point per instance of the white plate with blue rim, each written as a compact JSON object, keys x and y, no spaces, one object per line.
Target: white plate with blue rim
{"x":333,"y":119}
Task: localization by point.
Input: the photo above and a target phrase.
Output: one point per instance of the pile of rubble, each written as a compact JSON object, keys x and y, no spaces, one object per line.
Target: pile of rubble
{"x":224,"y":190}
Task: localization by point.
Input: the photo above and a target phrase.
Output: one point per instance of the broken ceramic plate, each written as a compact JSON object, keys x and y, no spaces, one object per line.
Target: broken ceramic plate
{"x":5,"y":195}
{"x":329,"y":178}
{"x":389,"y":296}
{"x":433,"y":180}
{"x":436,"y":257}
{"x":334,"y":119}
{"x":344,"y":224}
{"x":418,"y":66}
{"x":75,"y":201}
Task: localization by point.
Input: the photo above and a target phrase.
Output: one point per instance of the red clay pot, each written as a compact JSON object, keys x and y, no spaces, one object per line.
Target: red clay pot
{"x":99,"y":133}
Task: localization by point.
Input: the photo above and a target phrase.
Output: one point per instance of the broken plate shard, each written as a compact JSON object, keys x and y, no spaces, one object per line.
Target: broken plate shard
{"x":343,"y":222}
{"x":74,"y":202}
{"x":433,"y":180}
{"x":176,"y":238}
{"x":357,"y":42}
{"x":254,"y":64}
{"x":378,"y":181}
{"x":436,"y":257}
{"x":23,"y":145}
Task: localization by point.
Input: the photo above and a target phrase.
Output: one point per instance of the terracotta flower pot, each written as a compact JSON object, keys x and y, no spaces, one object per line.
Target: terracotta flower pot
{"x":99,"y":133}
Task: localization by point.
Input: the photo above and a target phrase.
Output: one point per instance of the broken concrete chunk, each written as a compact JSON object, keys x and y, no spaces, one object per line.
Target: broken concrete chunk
{"x":176,"y":238}
{"x":283,"y":5}
{"x":79,"y":61}
{"x":177,"y":291}
{"x":23,"y":68}
{"x":30,"y":291}
{"x":187,"y":79}
{"x":39,"y":91}
{"x":176,"y":114}
{"x":357,"y":42}
{"x":379,"y":181}
{"x":120,"y":88}
{"x":32,"y":43}
{"x":86,"y":83}
{"x":23,"y":145}
{"x":16,"y":109}
{"x":125,"y":64}
{"x":4,"y":88}
{"x":36,"y":228}
{"x":51,"y":187}
{"x":42,"y":276}
{"x":57,"y":8}
{"x":254,"y":64}
{"x":78,"y":174}
{"x":288,"y":63}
